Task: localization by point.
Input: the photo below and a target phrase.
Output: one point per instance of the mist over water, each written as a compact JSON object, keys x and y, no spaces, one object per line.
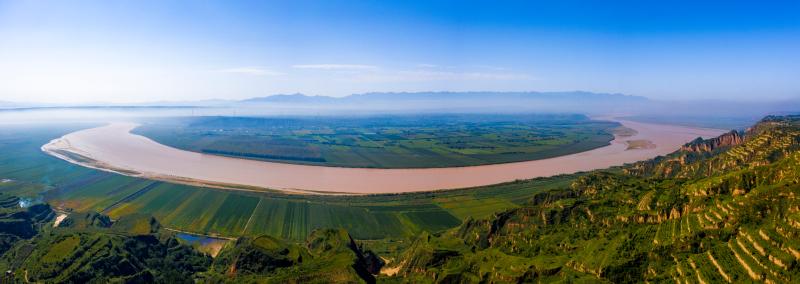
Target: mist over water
{"x":81,"y":115}
{"x":134,"y":114}
{"x":706,"y":113}
{"x":111,"y":114}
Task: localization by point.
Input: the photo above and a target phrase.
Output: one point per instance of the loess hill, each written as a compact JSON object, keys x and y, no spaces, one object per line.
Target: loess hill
{"x":718,"y":210}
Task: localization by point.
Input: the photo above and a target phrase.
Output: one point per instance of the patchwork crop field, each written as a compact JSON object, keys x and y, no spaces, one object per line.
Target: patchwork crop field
{"x":422,"y":141}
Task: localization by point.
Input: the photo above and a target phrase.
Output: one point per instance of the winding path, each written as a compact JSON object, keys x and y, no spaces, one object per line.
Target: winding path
{"x":114,"y":148}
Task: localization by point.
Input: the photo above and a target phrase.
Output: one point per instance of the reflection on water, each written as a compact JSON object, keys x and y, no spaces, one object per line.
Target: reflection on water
{"x":199,"y":239}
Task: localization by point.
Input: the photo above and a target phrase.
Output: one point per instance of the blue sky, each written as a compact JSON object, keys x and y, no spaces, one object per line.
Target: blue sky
{"x":126,"y":51}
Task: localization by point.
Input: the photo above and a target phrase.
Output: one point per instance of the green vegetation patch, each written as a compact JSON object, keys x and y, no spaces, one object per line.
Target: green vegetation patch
{"x":60,"y":250}
{"x":385,"y":141}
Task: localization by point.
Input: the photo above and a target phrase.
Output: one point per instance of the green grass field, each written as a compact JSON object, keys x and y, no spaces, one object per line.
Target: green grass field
{"x":385,"y":142}
{"x":37,"y":176}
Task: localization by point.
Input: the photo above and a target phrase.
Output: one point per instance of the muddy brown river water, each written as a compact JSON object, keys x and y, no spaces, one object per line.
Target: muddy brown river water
{"x":114,"y":148}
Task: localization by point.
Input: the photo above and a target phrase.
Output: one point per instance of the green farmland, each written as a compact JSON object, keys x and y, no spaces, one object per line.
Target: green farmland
{"x":34,"y":175}
{"x":423,"y":141}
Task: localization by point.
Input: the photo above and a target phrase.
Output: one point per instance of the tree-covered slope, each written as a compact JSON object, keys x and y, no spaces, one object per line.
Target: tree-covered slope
{"x":328,"y":256}
{"x":88,"y":247}
{"x":18,"y":222}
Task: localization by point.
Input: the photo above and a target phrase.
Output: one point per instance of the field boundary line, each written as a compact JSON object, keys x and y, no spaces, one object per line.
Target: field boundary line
{"x":246,"y":225}
{"x":132,"y":196}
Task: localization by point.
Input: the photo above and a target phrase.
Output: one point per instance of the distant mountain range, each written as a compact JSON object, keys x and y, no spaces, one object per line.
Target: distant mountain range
{"x":376,"y":97}
{"x":576,"y":101}
{"x":595,"y":104}
{"x":458,"y":101}
{"x":442,"y":96}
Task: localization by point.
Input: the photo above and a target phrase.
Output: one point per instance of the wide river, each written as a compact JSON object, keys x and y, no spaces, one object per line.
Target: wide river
{"x":114,"y":148}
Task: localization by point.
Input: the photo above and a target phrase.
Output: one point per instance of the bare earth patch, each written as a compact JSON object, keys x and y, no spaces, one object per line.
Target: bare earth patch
{"x":623,"y":131}
{"x":212,"y":249}
{"x":640,"y":144}
{"x":390,"y":270}
{"x":60,"y":218}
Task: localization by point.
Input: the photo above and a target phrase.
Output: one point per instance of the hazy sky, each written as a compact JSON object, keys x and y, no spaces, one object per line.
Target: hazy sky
{"x":123,"y":51}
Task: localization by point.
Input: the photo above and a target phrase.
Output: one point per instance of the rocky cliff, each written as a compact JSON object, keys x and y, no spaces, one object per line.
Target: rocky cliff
{"x":729,"y":139}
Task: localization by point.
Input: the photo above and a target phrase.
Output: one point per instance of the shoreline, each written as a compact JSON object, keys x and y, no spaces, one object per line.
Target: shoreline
{"x":113,"y":148}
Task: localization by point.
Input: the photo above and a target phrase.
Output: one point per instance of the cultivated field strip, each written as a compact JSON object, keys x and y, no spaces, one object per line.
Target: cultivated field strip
{"x":226,"y":213}
{"x":396,"y":142}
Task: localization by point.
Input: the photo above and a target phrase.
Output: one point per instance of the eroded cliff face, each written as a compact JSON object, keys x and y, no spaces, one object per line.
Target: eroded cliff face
{"x":770,"y":140}
{"x":679,"y":163}
{"x":729,"y":139}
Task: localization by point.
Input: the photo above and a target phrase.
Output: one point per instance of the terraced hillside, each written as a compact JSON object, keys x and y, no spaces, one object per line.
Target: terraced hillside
{"x":720,"y":210}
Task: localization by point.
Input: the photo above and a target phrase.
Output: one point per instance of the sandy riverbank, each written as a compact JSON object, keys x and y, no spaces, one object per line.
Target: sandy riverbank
{"x":114,"y":148}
